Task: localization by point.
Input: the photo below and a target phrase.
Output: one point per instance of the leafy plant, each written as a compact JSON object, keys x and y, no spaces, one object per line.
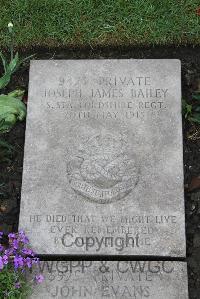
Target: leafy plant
{"x":10,"y":66}
{"x":192,"y":111}
{"x":14,"y":261}
{"x":11,"y":109}
{"x":186,"y":109}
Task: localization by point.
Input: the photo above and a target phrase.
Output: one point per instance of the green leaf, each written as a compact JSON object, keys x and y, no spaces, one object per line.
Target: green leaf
{"x":4,"y":80}
{"x":4,"y":61}
{"x":186,"y":109}
{"x":189,"y":109}
{"x":11,"y":110}
{"x":11,"y":68}
{"x":18,"y":93}
{"x":196,"y":97}
{"x":13,"y":65}
{"x":195,"y":117}
{"x":20,"y":62}
{"x":26,"y":58}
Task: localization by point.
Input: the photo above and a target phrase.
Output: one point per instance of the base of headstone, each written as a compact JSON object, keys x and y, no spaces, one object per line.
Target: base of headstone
{"x":112,"y":279}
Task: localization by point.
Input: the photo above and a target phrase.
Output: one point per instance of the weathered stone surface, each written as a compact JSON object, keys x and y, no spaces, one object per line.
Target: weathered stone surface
{"x":119,"y":280}
{"x":103,"y":158}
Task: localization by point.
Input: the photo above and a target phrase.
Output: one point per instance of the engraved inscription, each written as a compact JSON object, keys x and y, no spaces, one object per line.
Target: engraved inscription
{"x":116,"y":280}
{"x":103,"y":159}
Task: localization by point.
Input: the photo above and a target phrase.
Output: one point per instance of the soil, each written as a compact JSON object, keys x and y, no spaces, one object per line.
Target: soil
{"x":11,"y":171}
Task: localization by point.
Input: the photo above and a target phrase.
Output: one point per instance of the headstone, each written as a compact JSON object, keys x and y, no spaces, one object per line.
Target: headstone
{"x":103,"y":168}
{"x":106,"y":279}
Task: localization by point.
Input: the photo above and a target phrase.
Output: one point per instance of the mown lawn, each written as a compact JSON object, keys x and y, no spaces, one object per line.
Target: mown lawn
{"x":66,"y":23}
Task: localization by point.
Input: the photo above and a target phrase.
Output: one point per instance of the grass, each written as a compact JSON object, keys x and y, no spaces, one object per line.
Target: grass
{"x":67,"y":23}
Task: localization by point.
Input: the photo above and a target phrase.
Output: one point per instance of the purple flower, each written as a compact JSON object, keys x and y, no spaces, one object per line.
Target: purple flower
{"x":39,"y":278}
{"x":18,"y":255}
{"x":22,"y":237}
{"x":28,"y":251}
{"x":15,"y":244}
{"x":12,"y":236}
{"x":21,"y":232}
{"x":28,"y":262}
{"x":5,"y":259}
{"x":17,"y":285}
{"x":1,"y":263}
{"x":18,"y":262}
{"x":35,"y":260}
{"x":9,"y":251}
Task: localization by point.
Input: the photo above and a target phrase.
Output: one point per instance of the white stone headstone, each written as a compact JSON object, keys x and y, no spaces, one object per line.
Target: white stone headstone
{"x":113,"y":280}
{"x":103,"y":167}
